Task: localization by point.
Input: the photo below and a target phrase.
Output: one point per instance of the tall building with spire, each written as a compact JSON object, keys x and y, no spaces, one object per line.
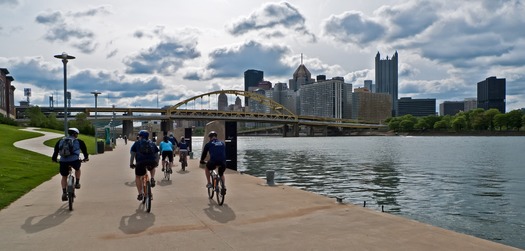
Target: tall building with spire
{"x":387,"y":78}
{"x":301,"y":76}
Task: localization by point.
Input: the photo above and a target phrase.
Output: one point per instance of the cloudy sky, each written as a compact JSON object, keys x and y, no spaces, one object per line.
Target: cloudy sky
{"x":144,"y":54}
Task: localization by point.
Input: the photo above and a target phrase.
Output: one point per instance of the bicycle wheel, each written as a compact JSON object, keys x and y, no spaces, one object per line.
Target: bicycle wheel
{"x":147,"y":197}
{"x":220,"y":191}
{"x":71,"y":192}
{"x":166,"y":172}
{"x":184,"y":164}
{"x":211,"y":190}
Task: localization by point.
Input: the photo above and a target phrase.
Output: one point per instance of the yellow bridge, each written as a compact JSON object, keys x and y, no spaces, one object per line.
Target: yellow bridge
{"x":274,"y":113}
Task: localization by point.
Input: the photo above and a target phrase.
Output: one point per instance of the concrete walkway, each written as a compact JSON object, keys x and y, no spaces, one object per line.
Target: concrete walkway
{"x":255,"y":216}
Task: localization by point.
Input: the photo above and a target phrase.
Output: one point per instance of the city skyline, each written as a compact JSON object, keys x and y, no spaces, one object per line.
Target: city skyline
{"x":174,"y":51}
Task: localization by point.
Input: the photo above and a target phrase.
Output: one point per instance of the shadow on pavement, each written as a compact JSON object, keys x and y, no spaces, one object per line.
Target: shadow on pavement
{"x":130,"y":183}
{"x":221,"y":214}
{"x":138,"y":222}
{"x":52,"y":220}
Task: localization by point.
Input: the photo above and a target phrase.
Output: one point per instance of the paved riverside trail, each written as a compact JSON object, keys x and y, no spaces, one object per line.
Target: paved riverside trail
{"x":254,"y":216}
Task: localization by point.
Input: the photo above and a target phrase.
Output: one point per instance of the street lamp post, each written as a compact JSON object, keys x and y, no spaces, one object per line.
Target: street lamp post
{"x":96,"y":93}
{"x":64,"y":56}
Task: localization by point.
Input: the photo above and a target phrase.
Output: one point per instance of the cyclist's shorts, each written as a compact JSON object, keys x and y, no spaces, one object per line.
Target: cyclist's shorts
{"x":140,"y":169}
{"x":168,"y":154}
{"x":211,"y":165}
{"x":64,"y":166}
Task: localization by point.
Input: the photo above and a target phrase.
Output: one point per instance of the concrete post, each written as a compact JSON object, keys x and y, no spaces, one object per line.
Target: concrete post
{"x":270,"y":174}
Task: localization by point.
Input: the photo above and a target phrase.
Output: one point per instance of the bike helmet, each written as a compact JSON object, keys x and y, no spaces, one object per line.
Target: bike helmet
{"x":73,"y":130}
{"x":144,"y":134}
{"x":212,"y":134}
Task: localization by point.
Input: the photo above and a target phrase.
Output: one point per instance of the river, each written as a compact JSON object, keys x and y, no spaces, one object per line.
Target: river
{"x":471,"y":185}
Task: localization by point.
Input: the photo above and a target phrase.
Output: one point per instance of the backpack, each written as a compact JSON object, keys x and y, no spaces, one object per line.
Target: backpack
{"x":146,"y":148}
{"x":66,"y":147}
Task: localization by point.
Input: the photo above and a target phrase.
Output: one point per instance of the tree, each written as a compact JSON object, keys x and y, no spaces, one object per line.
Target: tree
{"x":478,"y":120}
{"x":501,"y":120}
{"x":53,"y":123}
{"x":7,"y":120}
{"x":459,"y":123}
{"x":83,"y":124}
{"x":441,"y":125}
{"x":514,"y":118}
{"x":406,"y":125}
{"x":393,"y":124}
{"x":422,"y":124}
{"x":36,"y":117}
{"x":489,"y":117}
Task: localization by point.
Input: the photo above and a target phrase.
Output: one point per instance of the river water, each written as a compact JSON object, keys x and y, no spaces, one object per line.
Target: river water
{"x":471,"y":185}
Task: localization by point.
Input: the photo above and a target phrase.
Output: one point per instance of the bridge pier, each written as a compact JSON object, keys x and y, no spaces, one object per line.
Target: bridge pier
{"x":311,"y":131}
{"x":227,"y":132}
{"x":291,"y":131}
{"x":166,"y":125}
{"x":127,"y":128}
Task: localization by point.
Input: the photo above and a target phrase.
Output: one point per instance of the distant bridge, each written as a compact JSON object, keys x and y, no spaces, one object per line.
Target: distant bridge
{"x":273,"y":113}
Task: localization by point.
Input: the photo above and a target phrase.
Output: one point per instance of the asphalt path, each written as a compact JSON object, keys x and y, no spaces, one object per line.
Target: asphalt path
{"x":255,"y":216}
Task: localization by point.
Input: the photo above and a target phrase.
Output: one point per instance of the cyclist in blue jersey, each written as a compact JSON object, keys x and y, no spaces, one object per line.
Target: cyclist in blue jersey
{"x":217,"y":150}
{"x":145,"y":153}
{"x":166,"y":150}
{"x":173,"y":141}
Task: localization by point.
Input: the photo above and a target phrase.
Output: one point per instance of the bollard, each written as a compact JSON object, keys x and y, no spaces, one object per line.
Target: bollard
{"x":364,"y":203}
{"x":191,"y":155}
{"x":269,"y":177}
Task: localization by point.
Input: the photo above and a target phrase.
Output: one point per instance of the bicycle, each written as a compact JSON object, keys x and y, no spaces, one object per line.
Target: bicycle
{"x":183,"y":159}
{"x":217,"y":187}
{"x":146,"y":190}
{"x":70,"y":188}
{"x":167,"y":170}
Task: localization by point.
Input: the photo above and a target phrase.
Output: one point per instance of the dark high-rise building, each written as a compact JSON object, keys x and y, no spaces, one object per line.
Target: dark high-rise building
{"x":387,"y":78}
{"x":491,"y":94}
{"x":252,"y":79}
{"x":451,"y":107}
{"x":416,"y":107}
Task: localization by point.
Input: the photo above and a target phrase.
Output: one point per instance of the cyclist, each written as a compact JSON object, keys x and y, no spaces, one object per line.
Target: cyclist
{"x":183,"y":149}
{"x":70,"y":159}
{"x":217,"y":150}
{"x":166,"y":150}
{"x":146,"y":154}
{"x":173,"y":141}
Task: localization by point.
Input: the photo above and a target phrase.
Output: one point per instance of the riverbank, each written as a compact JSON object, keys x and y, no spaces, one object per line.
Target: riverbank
{"x":440,"y":133}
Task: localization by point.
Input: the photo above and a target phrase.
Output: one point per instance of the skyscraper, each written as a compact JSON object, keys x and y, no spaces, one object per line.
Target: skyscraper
{"x":252,"y":79}
{"x":387,"y":78}
{"x":222,"y":102}
{"x":369,"y":85}
{"x":491,"y":94}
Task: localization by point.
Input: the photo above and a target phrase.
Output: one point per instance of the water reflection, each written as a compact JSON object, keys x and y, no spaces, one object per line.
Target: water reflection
{"x":449,"y":182}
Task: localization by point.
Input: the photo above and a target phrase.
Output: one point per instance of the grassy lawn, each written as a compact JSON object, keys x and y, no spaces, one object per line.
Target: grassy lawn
{"x":22,"y":170}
